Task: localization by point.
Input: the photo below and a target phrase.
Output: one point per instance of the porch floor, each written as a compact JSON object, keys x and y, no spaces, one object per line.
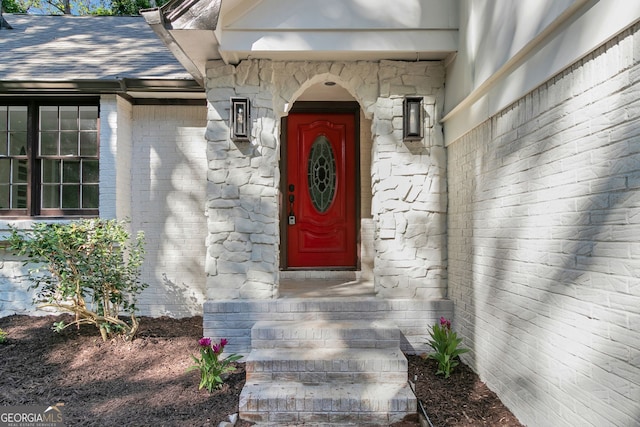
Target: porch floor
{"x":291,"y":287}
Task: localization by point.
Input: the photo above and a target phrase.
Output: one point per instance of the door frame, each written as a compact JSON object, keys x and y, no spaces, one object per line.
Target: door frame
{"x":347,"y":107}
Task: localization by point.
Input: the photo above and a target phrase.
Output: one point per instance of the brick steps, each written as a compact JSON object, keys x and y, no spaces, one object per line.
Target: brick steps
{"x":324,"y":334}
{"x":326,"y":365}
{"x":318,"y":372}
{"x":334,"y":403}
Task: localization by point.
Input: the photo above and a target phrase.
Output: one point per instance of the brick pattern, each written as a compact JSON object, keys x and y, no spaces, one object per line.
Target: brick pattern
{"x":544,"y":256}
{"x":168,"y":190}
{"x":152,"y":171}
{"x":326,"y":372}
{"x":233,"y":319}
{"x":15,"y":295}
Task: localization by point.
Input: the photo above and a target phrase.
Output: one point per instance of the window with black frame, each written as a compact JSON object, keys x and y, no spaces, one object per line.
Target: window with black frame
{"x":49,"y":158}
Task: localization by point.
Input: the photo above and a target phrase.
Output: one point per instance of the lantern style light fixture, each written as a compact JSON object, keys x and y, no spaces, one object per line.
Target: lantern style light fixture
{"x":412,"y":118}
{"x":240,"y":119}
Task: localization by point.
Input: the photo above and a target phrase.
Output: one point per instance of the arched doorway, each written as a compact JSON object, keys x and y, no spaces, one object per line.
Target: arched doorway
{"x":324,"y":130}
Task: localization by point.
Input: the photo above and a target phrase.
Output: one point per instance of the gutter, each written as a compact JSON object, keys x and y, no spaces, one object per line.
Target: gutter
{"x":122,"y":85}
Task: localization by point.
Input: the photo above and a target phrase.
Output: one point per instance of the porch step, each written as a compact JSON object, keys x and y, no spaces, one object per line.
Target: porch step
{"x":327,"y":365}
{"x":326,"y":372}
{"x":324,"y":334}
{"x":294,"y":403}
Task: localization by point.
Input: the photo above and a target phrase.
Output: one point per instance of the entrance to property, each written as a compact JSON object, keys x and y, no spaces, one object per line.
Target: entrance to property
{"x":320,"y":190}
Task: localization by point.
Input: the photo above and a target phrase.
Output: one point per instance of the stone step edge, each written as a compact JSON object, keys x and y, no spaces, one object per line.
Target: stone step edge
{"x":291,"y":397}
{"x":322,"y":334}
{"x":325,"y":324}
{"x":326,"y":360}
{"x":325,"y":354}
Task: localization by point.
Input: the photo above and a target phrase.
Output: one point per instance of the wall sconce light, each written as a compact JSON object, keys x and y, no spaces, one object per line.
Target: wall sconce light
{"x":412,"y":119}
{"x":240,"y":119}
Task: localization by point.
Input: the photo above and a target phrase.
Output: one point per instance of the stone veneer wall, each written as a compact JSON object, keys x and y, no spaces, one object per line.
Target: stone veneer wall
{"x":544,"y":252}
{"x":408,"y":179}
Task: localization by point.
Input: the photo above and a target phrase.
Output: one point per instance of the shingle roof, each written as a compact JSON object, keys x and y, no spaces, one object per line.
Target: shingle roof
{"x":60,"y":48}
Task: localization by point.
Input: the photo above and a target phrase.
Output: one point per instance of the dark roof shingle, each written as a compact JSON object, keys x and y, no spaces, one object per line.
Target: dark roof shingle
{"x":61,"y":48}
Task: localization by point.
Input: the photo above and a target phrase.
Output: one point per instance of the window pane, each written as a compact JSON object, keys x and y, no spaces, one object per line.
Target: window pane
{"x":89,"y":118}
{"x":70,"y":196}
{"x":89,"y":144}
{"x":3,"y":131}
{"x":90,"y":171}
{"x":18,"y":143}
{"x":50,"y":196}
{"x":90,"y":197}
{"x":3,"y":143}
{"x":49,"y":118}
{"x":50,"y":171}
{"x":18,"y":119}
{"x":20,"y":171}
{"x":70,"y":172}
{"x":68,"y":118}
{"x":68,"y":143}
{"x":19,"y":200}
{"x":49,"y":143}
{"x":321,"y":174}
{"x":3,"y":118}
{"x":4,"y":196}
{"x":70,"y":131}
{"x":5,"y":170}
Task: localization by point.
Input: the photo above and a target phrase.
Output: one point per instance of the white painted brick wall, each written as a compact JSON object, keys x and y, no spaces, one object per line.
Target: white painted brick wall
{"x":233,"y":319}
{"x":168,"y":188}
{"x":115,"y":121}
{"x":544,"y":252}
{"x":15,"y":296}
{"x":152,"y":171}
{"x":115,"y":137}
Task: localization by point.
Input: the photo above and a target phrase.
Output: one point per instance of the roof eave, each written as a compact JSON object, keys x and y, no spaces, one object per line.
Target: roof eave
{"x":180,"y":15}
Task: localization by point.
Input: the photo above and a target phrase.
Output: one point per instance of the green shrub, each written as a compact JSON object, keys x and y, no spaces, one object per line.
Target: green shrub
{"x":89,"y":268}
{"x":3,"y":337}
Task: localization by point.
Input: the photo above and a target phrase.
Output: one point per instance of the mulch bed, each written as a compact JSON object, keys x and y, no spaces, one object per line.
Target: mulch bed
{"x":144,"y":382}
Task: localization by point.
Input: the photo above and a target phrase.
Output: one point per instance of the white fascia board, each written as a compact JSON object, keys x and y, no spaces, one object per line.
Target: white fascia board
{"x":565,"y":45}
{"x":412,"y":44}
{"x":337,"y":15}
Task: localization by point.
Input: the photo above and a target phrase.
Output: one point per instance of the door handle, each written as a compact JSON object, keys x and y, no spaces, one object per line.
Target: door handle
{"x":292,"y":215}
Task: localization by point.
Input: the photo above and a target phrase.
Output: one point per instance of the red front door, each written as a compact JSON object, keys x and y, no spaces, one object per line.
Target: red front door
{"x":321,"y":190}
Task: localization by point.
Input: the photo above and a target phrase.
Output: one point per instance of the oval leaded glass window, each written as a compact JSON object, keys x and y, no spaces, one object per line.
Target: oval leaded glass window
{"x":321,"y":174}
